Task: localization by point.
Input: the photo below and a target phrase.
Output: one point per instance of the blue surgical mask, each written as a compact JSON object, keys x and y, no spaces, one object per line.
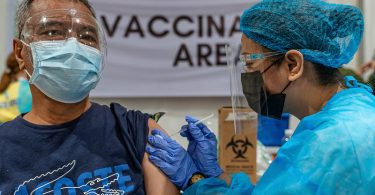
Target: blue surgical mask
{"x":65,"y":71}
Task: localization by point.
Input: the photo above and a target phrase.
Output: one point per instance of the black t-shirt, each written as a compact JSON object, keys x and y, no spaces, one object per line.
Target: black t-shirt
{"x":101,"y":152}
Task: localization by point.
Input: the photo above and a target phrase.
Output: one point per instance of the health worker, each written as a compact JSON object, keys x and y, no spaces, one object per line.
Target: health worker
{"x":291,"y":51}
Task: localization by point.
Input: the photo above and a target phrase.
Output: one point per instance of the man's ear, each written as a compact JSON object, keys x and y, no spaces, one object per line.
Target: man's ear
{"x":17,"y":49}
{"x":295,"y":62}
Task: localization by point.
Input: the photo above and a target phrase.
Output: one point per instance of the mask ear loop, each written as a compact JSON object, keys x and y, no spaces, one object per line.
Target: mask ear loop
{"x":23,"y":42}
{"x":265,"y":95}
{"x":290,"y":82}
{"x":269,"y":67}
{"x":28,"y":74}
{"x":273,"y":63}
{"x":28,"y":55}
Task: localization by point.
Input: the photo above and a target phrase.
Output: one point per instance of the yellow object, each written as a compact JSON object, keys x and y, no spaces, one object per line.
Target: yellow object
{"x":195,"y":178}
{"x":8,"y":103}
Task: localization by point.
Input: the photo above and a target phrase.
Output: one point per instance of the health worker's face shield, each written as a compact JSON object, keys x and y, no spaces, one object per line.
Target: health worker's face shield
{"x":63,"y":25}
{"x":248,"y":91}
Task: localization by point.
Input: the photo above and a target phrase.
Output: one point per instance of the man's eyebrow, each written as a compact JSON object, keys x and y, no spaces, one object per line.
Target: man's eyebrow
{"x":52,"y":23}
{"x":88,"y":27}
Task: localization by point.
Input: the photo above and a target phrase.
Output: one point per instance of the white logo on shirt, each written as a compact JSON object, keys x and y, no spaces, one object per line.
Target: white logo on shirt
{"x":96,"y":186}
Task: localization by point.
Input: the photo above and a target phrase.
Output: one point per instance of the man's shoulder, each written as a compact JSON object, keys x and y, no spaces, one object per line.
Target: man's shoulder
{"x":9,"y":127}
{"x":122,"y":110}
{"x":108,"y":108}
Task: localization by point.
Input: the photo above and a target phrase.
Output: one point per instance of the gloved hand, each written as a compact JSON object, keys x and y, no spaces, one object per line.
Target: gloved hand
{"x":171,"y":158}
{"x":202,"y":147}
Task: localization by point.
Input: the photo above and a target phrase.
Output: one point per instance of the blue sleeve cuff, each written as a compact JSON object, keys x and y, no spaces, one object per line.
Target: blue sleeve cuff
{"x":241,"y":181}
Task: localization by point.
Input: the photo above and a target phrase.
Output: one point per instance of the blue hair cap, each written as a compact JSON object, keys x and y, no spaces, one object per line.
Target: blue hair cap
{"x":325,"y":33}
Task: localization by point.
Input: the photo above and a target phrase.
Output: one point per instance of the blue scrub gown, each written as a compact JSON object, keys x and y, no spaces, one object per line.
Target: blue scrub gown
{"x":331,"y":152}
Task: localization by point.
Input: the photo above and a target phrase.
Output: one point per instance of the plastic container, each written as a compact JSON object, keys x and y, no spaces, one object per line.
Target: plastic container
{"x":271,"y":131}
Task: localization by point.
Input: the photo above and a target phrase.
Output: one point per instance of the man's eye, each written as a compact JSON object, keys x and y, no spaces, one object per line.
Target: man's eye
{"x":52,"y":33}
{"x":88,"y":38}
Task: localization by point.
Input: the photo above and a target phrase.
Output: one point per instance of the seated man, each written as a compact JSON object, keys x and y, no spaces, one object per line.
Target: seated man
{"x":66,"y":144}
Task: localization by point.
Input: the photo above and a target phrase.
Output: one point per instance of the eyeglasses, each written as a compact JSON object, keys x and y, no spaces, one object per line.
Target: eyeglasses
{"x":245,"y":59}
{"x":62,"y":24}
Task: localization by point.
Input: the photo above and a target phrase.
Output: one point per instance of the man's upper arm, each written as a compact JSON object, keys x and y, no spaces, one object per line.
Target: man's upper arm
{"x":156,"y":182}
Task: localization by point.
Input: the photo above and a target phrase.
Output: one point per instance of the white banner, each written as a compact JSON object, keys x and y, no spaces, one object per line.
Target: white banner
{"x":167,"y":48}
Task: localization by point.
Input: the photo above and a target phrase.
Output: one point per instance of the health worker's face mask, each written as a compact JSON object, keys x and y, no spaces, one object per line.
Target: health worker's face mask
{"x":65,"y":70}
{"x":259,"y":100}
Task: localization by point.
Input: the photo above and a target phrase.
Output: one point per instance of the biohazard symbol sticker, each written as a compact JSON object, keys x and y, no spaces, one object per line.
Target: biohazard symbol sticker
{"x":239,"y":147}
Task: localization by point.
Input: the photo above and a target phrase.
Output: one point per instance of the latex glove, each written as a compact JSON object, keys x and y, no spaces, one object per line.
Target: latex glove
{"x":171,"y":158}
{"x":202,"y":147}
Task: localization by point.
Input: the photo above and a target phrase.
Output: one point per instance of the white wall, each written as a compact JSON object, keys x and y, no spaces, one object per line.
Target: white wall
{"x":369,"y":36}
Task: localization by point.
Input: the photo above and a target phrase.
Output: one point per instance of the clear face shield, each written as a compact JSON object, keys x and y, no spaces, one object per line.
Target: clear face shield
{"x":68,"y":52}
{"x":62,"y":25}
{"x":241,"y":112}
{"x":247,"y":87}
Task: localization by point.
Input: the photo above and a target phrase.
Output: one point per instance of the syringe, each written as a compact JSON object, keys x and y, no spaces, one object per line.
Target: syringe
{"x":196,"y":123}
